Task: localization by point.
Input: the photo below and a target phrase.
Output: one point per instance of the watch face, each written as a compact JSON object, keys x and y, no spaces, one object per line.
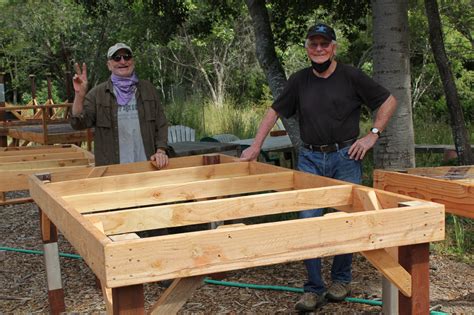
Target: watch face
{"x":375,"y":130}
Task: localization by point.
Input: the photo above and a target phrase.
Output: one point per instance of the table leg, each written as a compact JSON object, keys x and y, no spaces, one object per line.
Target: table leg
{"x":49,"y":235}
{"x":129,"y":300}
{"x":415,"y":259}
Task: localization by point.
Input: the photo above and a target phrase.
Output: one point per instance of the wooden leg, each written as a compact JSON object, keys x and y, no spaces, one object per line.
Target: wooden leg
{"x":415,"y":259}
{"x":128,"y":300}
{"x":107,"y":293}
{"x":49,"y":235}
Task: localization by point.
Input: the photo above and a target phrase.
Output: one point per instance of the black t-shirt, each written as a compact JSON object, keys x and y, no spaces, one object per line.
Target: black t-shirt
{"x":329,"y":109}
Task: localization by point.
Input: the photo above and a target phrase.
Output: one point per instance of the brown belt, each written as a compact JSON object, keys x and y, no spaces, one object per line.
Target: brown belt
{"x":327,"y":148}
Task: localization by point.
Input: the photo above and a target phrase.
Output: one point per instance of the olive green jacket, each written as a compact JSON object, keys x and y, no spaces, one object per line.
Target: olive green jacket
{"x":100,"y":111}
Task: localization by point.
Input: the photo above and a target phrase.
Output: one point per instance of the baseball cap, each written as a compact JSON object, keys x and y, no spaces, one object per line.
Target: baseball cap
{"x":113,"y":49}
{"x":322,"y":30}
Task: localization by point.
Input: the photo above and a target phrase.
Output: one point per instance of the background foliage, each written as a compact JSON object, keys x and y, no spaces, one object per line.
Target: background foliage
{"x":202,"y":51}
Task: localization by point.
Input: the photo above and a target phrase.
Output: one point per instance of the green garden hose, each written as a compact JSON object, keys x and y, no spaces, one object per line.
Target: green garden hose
{"x":37,"y":252}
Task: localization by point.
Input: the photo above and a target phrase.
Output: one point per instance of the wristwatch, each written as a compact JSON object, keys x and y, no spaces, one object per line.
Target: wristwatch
{"x":375,"y":131}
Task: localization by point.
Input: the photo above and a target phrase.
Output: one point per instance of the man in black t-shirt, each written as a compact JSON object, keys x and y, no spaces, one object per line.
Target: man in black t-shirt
{"x":327,"y":97}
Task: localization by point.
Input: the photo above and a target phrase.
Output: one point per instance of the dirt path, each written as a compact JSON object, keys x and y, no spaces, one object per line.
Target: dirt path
{"x":23,"y":281}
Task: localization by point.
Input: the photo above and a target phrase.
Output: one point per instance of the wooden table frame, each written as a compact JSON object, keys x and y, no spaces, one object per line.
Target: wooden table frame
{"x":16,"y":163}
{"x":452,"y":186}
{"x":204,"y":189}
{"x":37,"y":129}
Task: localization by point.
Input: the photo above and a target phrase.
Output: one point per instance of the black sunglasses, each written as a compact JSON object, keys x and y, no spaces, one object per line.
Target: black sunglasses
{"x":117,"y":58}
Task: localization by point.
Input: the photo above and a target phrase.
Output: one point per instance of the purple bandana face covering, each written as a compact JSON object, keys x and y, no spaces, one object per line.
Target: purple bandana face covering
{"x":124,"y":88}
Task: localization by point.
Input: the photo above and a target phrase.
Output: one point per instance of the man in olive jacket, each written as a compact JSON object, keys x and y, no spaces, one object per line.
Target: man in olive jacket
{"x":130,"y":125}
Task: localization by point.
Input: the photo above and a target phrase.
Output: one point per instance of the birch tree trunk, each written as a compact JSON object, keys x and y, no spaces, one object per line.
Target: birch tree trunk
{"x":267,"y":58}
{"x":396,"y":148}
{"x":460,"y":134}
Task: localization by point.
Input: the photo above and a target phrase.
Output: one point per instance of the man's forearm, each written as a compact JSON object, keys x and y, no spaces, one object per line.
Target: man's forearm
{"x":265,"y":126}
{"x":385,"y":112}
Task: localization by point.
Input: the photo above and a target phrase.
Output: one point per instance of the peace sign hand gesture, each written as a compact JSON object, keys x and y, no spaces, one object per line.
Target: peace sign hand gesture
{"x":80,"y":79}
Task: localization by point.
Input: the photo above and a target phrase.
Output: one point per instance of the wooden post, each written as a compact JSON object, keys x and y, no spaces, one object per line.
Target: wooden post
{"x":3,"y":137}
{"x":129,"y":300}
{"x":44,"y":122}
{"x":33,"y":91}
{"x":415,"y":259}
{"x":209,"y":159}
{"x":49,"y":235}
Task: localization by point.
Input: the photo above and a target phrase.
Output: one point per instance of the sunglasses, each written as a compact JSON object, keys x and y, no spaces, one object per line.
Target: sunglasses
{"x":314,"y":45}
{"x":117,"y":58}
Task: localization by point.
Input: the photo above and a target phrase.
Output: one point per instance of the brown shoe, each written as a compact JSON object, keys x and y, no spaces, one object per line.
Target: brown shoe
{"x":338,"y":291}
{"x":310,"y":301}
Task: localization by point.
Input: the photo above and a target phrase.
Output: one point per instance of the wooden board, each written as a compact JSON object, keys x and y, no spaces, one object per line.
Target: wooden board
{"x":17,"y":163}
{"x":457,"y":195}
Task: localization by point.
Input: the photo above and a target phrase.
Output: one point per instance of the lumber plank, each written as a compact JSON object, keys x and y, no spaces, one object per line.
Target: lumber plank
{"x":444,"y":172}
{"x":212,"y":251}
{"x":171,"y":301}
{"x":391,"y":269}
{"x":457,"y":197}
{"x":79,"y":231}
{"x":97,"y":171}
{"x":31,"y":165}
{"x":131,"y":168}
{"x":305,"y":180}
{"x":124,"y":237}
{"x":106,"y":291}
{"x":50,"y":149}
{"x":262,"y":168}
{"x":18,"y":180}
{"x":366,"y":199}
{"x":149,"y":179}
{"x":133,"y":220}
{"x":40,"y":156}
{"x":117,"y":199}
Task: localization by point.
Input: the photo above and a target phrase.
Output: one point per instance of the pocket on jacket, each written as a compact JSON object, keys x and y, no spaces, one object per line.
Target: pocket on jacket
{"x":150,"y":110}
{"x":104,"y":119}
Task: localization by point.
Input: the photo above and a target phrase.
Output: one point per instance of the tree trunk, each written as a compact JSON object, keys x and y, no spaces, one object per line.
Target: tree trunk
{"x":267,"y":58}
{"x":460,"y":134}
{"x":395,"y":148}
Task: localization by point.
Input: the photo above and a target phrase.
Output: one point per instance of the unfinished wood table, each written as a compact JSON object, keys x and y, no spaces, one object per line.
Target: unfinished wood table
{"x":452,"y":186}
{"x":100,"y":217}
{"x":16,"y":163}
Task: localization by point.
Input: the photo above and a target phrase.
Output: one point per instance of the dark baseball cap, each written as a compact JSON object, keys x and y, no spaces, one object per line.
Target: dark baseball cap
{"x":323,"y":30}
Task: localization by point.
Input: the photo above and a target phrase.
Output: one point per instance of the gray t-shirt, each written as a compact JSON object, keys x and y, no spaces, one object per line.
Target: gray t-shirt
{"x":130,"y":137}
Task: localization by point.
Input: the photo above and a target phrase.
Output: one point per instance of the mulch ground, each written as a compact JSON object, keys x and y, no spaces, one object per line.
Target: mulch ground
{"x":23,"y":280}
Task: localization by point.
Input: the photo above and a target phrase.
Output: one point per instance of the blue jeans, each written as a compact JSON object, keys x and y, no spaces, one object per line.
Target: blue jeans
{"x":336,"y":165}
